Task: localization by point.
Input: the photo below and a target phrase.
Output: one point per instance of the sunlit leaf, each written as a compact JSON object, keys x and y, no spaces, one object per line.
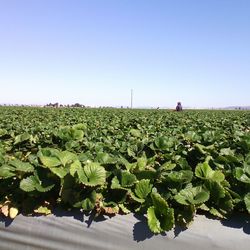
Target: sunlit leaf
{"x":192,"y":196}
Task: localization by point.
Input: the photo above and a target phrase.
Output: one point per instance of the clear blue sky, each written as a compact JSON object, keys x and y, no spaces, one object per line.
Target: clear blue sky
{"x":94,"y":51}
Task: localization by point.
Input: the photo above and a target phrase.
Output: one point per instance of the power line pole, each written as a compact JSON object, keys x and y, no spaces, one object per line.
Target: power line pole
{"x":131,"y":98}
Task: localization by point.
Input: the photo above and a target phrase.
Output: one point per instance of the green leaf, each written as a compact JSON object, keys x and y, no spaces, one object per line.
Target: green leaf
{"x":2,"y":160}
{"x":58,"y":162}
{"x":103,"y":158}
{"x":135,"y":132}
{"x":204,"y":171}
{"x":159,"y":203}
{"x":123,"y":180}
{"x":146,"y":174}
{"x":185,"y":214}
{"x":142,"y":162}
{"x":242,"y":175}
{"x":22,"y":166}
{"x":226,"y":151}
{"x":192,"y":136}
{"x":200,"y":148}
{"x":216,"y":190}
{"x":218,"y":176}
{"x":94,"y":174}
{"x":192,"y":196}
{"x":29,"y":184}
{"x":3,"y":132}
{"x":77,"y":134}
{"x":33,"y":183}
{"x":7,"y":171}
{"x":160,"y":222}
{"x":22,"y":137}
{"x":153,"y":222}
{"x":49,"y":157}
{"x":131,"y":152}
{"x":115,"y":184}
{"x":164,"y":143}
{"x":216,"y":213}
{"x":67,"y":157}
{"x":226,"y":205}
{"x":71,"y":144}
{"x":59,"y":171}
{"x":143,"y":188}
{"x":80,"y":126}
{"x":89,"y":203}
{"x":247,"y":159}
{"x":68,"y":133}
{"x":168,"y":165}
{"x":127,"y":179}
{"x":76,"y":167}
{"x":247,"y":201}
{"x":135,"y":198}
{"x":167,"y":219}
{"x":247,"y":168}
{"x":54,"y":158}
{"x":182,"y":176}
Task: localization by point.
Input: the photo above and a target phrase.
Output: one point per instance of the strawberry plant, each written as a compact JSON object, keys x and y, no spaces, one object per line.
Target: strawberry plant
{"x":166,"y":165}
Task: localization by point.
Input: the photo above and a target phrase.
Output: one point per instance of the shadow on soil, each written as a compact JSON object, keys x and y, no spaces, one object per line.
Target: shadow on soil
{"x":238,"y":221}
{"x":6,"y":221}
{"x":141,"y":230}
{"x":86,"y":217}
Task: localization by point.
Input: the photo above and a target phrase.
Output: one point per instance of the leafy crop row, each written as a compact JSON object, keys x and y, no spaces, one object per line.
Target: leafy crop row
{"x":166,"y":165}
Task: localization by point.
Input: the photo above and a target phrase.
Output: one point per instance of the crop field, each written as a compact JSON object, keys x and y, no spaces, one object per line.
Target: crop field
{"x":166,"y":165}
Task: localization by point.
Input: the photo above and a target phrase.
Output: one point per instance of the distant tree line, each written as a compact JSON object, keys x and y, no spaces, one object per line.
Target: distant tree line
{"x":57,"y":105}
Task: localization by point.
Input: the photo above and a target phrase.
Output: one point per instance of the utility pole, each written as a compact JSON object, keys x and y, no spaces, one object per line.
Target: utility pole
{"x":131,"y":98}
